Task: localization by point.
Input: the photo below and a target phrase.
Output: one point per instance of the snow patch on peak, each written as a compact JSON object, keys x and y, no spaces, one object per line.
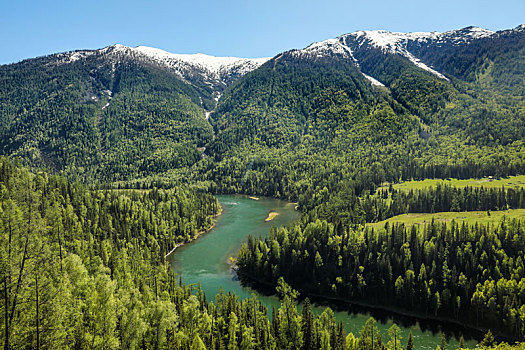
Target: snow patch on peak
{"x":330,"y":46}
{"x":373,"y":81}
{"x":478,"y":32}
{"x":465,"y":35}
{"x":75,"y":57}
{"x":212,"y":64}
{"x":120,"y":47}
{"x":117,"y":48}
{"x":72,"y":56}
{"x":392,"y":42}
{"x":326,"y":48}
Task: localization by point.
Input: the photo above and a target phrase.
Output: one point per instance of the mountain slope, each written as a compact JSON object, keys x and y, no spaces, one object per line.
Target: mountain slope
{"x":215,"y":71}
{"x":408,"y":64}
{"x":458,"y":53}
{"x":209,"y":75}
{"x":99,"y":115}
{"x":290,"y":97}
{"x":120,"y":113}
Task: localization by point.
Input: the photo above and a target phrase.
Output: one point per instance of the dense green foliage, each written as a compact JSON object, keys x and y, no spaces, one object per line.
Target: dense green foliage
{"x":82,"y":268}
{"x":474,"y":274}
{"x":504,"y":346}
{"x":440,"y":199}
{"x":105,"y":118}
{"x":498,"y":63}
{"x":85,"y":269}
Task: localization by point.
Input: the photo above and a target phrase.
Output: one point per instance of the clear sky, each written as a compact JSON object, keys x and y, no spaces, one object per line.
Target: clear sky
{"x":244,"y":28}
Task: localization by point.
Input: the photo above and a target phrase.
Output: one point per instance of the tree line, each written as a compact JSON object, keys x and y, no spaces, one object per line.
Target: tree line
{"x":85,"y":268}
{"x":471,"y":273}
{"x":390,"y":202}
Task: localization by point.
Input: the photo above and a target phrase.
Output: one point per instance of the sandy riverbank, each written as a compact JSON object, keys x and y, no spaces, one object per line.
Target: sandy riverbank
{"x":271,"y":216}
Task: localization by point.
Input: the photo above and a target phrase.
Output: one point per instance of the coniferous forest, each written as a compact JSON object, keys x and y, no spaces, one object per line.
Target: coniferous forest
{"x":110,"y":159}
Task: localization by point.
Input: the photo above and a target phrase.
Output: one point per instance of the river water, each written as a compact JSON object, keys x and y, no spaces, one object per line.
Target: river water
{"x":206,"y":261}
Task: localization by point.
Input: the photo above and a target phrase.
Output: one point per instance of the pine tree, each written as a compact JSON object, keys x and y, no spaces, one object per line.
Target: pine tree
{"x":443,"y":345}
{"x":395,"y":337}
{"x":197,"y":343}
{"x":488,"y":340}
{"x":461,"y":343}
{"x":307,"y":325}
{"x":410,"y":342}
{"x":232,"y":331}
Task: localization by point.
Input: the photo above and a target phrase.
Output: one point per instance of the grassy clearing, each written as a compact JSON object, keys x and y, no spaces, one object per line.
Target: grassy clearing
{"x":510,"y":182}
{"x":470,"y":217}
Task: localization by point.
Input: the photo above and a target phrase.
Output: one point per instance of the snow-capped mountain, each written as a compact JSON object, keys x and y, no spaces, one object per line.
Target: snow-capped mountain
{"x":214,"y":69}
{"x":211,"y":70}
{"x":412,"y":46}
{"x":428,"y":51}
{"x":142,"y":110}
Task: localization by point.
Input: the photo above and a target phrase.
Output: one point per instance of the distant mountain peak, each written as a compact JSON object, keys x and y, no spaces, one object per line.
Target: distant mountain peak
{"x":326,"y":48}
{"x":214,"y":64}
{"x":388,"y":41}
{"x":465,"y":35}
{"x":473,"y":29}
{"x":396,"y":43}
{"x":212,"y":70}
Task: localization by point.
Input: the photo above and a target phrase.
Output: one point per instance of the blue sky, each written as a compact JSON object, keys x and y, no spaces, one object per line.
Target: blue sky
{"x":249,"y":28}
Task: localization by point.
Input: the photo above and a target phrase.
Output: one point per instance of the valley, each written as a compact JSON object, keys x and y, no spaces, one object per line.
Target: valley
{"x":379,"y":173}
{"x":206,"y":262}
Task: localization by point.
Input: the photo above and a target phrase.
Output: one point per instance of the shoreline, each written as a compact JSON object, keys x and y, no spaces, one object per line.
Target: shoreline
{"x":476,"y":332}
{"x":200,"y":233}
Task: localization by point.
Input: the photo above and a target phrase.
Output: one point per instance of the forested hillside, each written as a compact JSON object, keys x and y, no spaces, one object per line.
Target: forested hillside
{"x":105,"y":117}
{"x":313,"y":129}
{"x":83,"y":262}
{"x":469,"y":273}
{"x":85,"y":269}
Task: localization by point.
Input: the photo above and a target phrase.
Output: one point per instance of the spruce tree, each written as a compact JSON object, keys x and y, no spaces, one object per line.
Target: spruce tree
{"x":410,"y":342}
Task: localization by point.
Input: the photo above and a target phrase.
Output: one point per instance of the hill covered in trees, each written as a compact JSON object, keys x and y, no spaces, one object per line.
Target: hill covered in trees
{"x":325,"y":127}
{"x":105,"y":117}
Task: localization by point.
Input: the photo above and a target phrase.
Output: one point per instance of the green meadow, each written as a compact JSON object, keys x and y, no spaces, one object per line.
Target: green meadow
{"x":470,"y":217}
{"x":511,"y":182}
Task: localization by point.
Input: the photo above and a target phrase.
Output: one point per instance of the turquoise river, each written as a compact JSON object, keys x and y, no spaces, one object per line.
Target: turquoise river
{"x":206,"y":261}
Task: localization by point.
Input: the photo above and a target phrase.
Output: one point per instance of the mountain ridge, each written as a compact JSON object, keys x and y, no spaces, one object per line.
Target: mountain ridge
{"x":56,"y":107}
{"x":219,"y":72}
{"x":397,"y":43}
{"x":212,"y":70}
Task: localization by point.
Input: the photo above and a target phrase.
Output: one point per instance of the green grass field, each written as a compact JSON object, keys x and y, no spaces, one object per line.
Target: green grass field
{"x":470,"y":217}
{"x":512,"y":181}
